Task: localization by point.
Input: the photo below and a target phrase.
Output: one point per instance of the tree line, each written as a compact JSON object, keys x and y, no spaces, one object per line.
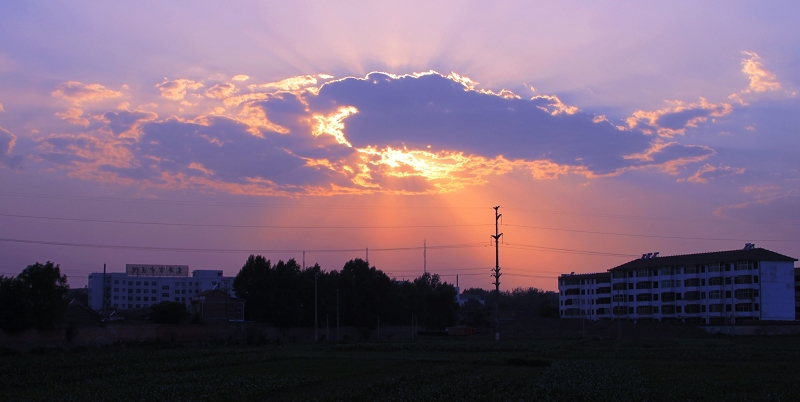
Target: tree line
{"x":282,"y":294}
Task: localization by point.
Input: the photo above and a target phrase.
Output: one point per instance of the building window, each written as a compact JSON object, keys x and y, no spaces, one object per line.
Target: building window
{"x":619,"y":286}
{"x":692,"y":309}
{"x":166,"y":287}
{"x":644,"y":297}
{"x":647,"y":310}
{"x":603,"y":290}
{"x":116,"y":297}
{"x":714,"y":268}
{"x":671,"y":283}
{"x":690,"y":269}
{"x":691,"y":282}
{"x":138,"y":290}
{"x":668,"y":309}
{"x":715,"y":294}
{"x":743,"y":279}
{"x":644,"y":285}
{"x":177,"y":299}
{"x":165,"y":295}
{"x":116,"y":281}
{"x":116,"y":289}
{"x":693,"y":295}
{"x":746,"y":293}
{"x":744,"y":307}
{"x":569,"y":292}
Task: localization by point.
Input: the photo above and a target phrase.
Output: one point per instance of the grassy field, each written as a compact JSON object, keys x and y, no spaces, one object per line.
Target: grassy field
{"x":433,"y":369}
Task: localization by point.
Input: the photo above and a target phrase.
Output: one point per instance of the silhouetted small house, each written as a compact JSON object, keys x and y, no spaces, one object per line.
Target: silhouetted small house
{"x":82,"y":316}
{"x":217,"y":306}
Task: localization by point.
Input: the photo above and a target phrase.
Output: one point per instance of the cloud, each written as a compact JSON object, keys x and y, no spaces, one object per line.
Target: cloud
{"x":404,"y":134}
{"x":291,"y":84}
{"x":761,"y":80}
{"x":240,"y":77}
{"x":778,"y":208}
{"x":677,"y":117}
{"x":7,"y":141}
{"x":1,"y":108}
{"x":176,"y":89}
{"x":78,"y":93}
{"x":708,"y":172}
{"x":221,"y":91}
{"x":126,"y":123}
{"x":73,"y":116}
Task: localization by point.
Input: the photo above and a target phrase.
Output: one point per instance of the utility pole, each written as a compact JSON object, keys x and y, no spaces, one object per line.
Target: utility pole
{"x":425,"y":256}
{"x":316,"y":309}
{"x":367,"y":257}
{"x":497,"y":273}
{"x":105,"y":306}
{"x":337,"y":314}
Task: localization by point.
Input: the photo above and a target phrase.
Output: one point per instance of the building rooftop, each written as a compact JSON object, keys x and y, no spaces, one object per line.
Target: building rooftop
{"x":586,"y":275}
{"x":753,"y":254}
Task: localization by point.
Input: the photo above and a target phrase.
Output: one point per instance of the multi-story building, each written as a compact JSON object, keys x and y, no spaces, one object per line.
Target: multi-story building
{"x":585,"y":295}
{"x":797,"y":293}
{"x":145,"y":285}
{"x":712,"y":288}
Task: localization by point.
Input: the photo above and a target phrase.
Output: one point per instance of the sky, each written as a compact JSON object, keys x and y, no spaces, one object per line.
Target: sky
{"x":198,"y":133}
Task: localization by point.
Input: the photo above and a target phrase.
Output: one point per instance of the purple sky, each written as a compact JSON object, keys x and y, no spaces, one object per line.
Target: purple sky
{"x":197,"y":133}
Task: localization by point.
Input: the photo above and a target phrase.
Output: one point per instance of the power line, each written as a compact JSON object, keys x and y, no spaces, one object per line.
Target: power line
{"x":566,"y":250}
{"x":650,"y":236}
{"x":226,"y":204}
{"x":362,"y":207}
{"x":224,"y":250}
{"x":644,"y":217}
{"x":239,"y":226}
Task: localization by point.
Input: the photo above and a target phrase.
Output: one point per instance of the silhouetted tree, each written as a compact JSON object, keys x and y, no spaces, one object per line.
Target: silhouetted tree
{"x":35,"y":298}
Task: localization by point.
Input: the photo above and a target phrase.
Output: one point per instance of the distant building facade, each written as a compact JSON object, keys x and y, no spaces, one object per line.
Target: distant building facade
{"x":585,"y":295}
{"x":143,"y":285}
{"x":710,"y":288}
{"x":797,"y":293}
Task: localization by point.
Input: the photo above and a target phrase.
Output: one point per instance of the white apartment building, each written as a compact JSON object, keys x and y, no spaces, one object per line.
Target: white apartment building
{"x":585,"y":295}
{"x":143,"y":285}
{"x":710,"y":288}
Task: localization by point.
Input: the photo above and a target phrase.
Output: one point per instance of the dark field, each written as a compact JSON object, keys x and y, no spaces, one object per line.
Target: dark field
{"x":435,"y":369}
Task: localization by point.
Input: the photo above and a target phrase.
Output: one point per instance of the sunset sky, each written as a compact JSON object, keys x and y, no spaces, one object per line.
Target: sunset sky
{"x":197,"y":133}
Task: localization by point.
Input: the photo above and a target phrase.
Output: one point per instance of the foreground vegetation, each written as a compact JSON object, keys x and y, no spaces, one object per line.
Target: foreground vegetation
{"x":427,"y":370}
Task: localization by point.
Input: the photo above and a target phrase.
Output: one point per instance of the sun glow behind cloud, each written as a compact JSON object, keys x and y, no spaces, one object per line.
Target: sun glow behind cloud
{"x":315,"y":125}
